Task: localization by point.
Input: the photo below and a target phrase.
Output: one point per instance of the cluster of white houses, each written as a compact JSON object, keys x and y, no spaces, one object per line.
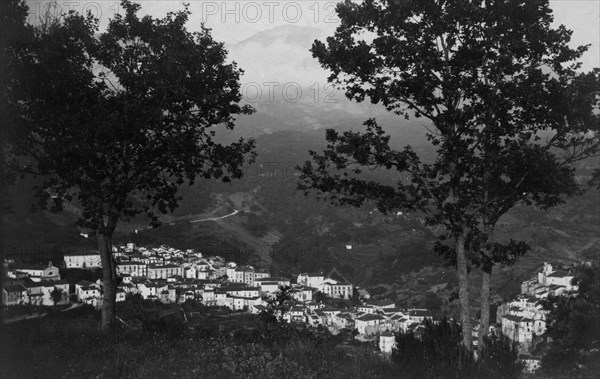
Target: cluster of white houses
{"x":523,"y":319}
{"x":37,"y":285}
{"x":171,"y":275}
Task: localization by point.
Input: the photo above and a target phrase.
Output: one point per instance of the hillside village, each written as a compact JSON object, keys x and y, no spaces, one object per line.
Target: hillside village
{"x":524,"y":319}
{"x":171,"y":275}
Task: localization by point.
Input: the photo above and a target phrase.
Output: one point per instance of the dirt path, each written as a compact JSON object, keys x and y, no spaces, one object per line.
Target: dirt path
{"x":216,"y":218}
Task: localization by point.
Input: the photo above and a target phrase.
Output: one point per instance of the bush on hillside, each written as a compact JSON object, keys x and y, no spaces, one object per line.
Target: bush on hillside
{"x":438,"y":353}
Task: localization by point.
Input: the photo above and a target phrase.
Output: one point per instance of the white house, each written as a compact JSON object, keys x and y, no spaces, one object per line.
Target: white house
{"x":561,"y":278}
{"x":35,"y":272}
{"x":243,"y":292}
{"x":189,"y":273}
{"x":238,"y":303}
{"x":163,"y":272}
{"x":270,"y":285}
{"x":419,"y":315}
{"x":313,"y":280}
{"x":329,"y":314}
{"x":387,"y":342}
{"x":296,"y":314}
{"x":208,"y":297}
{"x":261,"y":274}
{"x":41,"y":291}
{"x":90,"y":259}
{"x":366,"y":309}
{"x":134,"y":269}
{"x":519,"y":329}
{"x":151,"y":290}
{"x":128,"y":288}
{"x":549,"y":282}
{"x":230,"y":271}
{"x":302,"y":294}
{"x":335,"y":289}
{"x":267,"y":288}
{"x":363,"y":322}
{"x":168,"y":295}
{"x":222,"y":300}
{"x":343,"y":320}
{"x":205,"y":274}
{"x":121,"y":294}
{"x":88,"y":292}
{"x":14,"y":295}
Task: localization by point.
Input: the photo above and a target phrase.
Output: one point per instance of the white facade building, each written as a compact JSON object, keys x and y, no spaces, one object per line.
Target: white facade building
{"x":89,"y":259}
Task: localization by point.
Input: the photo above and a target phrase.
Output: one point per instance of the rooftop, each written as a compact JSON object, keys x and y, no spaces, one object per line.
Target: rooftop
{"x":28,"y":266}
{"x":369,"y":317}
{"x":82,"y":253}
{"x":559,"y":274}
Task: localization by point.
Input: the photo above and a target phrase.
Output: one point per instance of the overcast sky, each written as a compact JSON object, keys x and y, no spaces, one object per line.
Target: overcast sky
{"x":236,"y":20}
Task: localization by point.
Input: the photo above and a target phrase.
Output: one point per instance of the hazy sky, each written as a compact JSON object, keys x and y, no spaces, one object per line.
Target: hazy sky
{"x":236,"y":20}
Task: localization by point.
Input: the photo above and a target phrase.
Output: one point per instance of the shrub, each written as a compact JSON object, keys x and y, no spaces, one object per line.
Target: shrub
{"x":438,"y":353}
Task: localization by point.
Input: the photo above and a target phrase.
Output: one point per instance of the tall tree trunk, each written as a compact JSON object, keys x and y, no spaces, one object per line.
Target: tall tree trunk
{"x":486,"y":282}
{"x":484,"y":324}
{"x":109,"y":281}
{"x":463,"y":292}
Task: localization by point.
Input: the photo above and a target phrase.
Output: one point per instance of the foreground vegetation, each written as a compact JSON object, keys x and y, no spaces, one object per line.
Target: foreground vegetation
{"x":157,"y":340}
{"x":218,"y":352}
{"x":156,"y":343}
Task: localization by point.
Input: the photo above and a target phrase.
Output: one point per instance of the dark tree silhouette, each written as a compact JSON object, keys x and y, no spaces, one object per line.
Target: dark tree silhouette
{"x":57,"y":295}
{"x":278,"y":305}
{"x":114,"y":123}
{"x":507,"y":110}
{"x":437,"y":353}
{"x":15,"y":35}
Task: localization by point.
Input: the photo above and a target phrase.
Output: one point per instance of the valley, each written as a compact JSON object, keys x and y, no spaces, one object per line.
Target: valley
{"x":263,"y":220}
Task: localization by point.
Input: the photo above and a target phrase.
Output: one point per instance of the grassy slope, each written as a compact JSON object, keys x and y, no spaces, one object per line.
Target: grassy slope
{"x":75,"y":351}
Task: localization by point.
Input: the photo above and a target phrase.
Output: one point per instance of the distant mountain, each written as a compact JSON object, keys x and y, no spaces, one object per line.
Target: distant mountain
{"x":279,"y":55}
{"x":289,"y":90}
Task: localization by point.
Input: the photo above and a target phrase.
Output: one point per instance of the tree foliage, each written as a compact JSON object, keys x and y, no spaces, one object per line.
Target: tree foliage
{"x":114,"y":122}
{"x":506,"y":110}
{"x":15,"y":34}
{"x":126,"y":113}
{"x":57,"y":295}
{"x":277,"y":305}
{"x":438,"y":353}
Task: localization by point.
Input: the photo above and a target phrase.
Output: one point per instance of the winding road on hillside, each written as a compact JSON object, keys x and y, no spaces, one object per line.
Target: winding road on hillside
{"x":184,"y":220}
{"x":215,"y":218}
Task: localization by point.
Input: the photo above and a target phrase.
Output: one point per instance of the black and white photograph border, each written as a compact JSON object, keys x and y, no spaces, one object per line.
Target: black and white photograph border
{"x":302,"y":188}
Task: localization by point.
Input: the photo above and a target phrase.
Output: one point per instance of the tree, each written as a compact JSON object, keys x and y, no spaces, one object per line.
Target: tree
{"x":278,"y":305}
{"x":115,"y":123}
{"x":438,"y":353}
{"x":57,"y":295}
{"x":538,"y":176}
{"x":320,"y":297}
{"x":574,"y":329}
{"x":15,"y":34}
{"x":355,"y":298}
{"x":503,"y":100}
